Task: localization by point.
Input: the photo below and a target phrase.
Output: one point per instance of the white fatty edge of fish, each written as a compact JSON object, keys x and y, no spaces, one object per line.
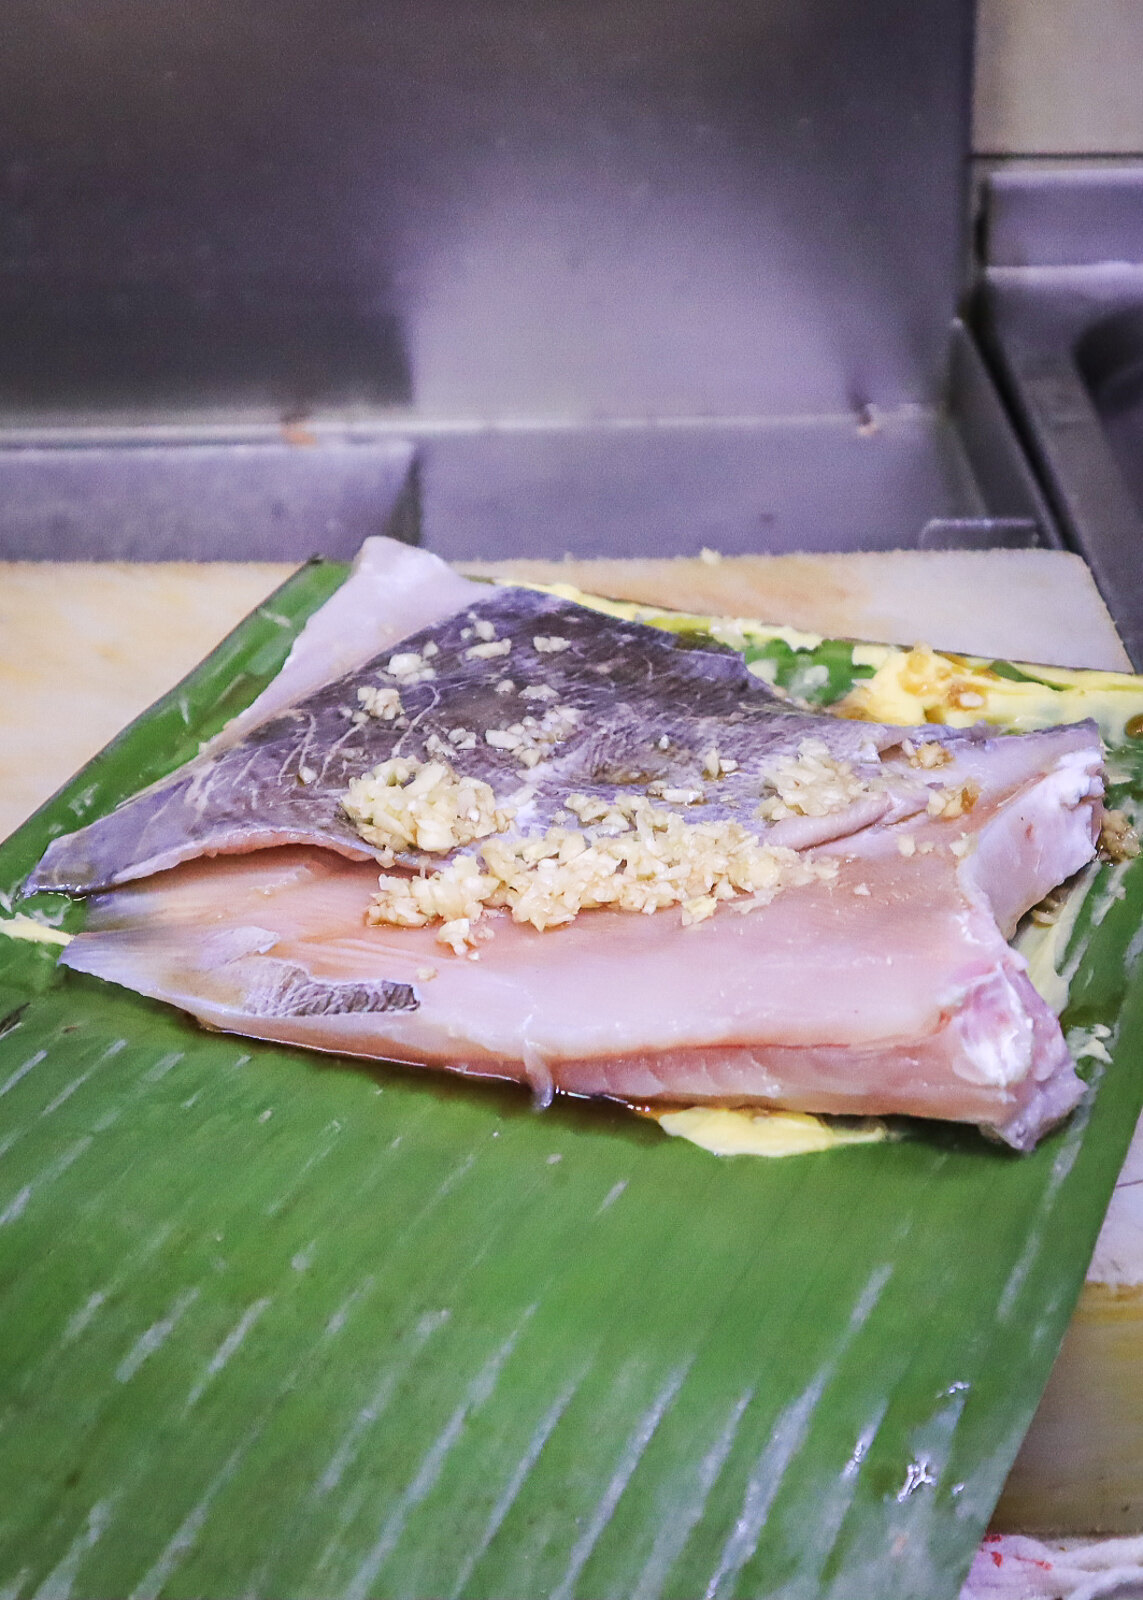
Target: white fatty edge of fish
{"x":758,"y":1133}
{"x":722,"y":1133}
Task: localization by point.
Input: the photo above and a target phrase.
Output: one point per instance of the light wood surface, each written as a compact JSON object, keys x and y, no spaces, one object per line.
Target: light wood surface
{"x":1026,"y":605}
{"x":85,"y":647}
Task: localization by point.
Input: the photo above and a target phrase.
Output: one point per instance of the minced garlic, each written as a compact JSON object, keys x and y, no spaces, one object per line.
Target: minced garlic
{"x":676,"y":797}
{"x":811,"y":784}
{"x":948,"y":804}
{"x":405,"y":804}
{"x":550,"y":644}
{"x":489,"y":650}
{"x":1118,"y":840}
{"x":410,"y":666}
{"x":929,"y":754}
{"x":531,"y":738}
{"x":714,"y":765}
{"x":455,"y":933}
{"x":594,"y":808}
{"x":411,"y":902}
{"x":384,"y":704}
{"x":658,"y":860}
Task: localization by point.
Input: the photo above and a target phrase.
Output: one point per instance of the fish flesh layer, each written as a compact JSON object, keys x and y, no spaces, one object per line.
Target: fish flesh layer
{"x":238,"y":889}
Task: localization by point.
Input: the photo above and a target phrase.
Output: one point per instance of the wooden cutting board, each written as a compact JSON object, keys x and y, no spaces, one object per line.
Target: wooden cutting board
{"x":1025,"y":605}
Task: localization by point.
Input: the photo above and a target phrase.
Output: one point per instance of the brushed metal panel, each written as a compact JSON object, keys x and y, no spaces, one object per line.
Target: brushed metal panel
{"x":208,"y":501}
{"x":1064,"y":214}
{"x":831,"y":484}
{"x":1063,"y":312}
{"x":494,"y":210}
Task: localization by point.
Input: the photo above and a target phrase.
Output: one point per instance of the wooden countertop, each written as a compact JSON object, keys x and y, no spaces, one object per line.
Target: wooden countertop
{"x":85,"y":647}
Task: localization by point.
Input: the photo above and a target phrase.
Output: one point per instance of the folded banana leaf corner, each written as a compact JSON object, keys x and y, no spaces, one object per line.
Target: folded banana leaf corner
{"x":275,"y":1324}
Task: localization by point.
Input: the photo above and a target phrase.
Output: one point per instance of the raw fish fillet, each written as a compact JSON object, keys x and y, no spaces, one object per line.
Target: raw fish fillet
{"x":889,"y":989}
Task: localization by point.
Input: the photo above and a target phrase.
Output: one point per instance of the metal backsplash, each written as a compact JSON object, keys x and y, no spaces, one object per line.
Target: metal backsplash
{"x":1062,"y":308}
{"x":508,"y":275}
{"x":490,"y":209}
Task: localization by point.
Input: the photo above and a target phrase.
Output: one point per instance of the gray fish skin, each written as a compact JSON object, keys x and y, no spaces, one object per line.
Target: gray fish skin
{"x":649,"y":707}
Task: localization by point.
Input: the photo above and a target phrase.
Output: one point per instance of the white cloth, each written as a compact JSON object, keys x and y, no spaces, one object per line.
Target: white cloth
{"x":1013,"y":1567}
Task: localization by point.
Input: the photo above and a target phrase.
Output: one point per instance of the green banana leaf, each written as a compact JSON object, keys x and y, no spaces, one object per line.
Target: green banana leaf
{"x":273,"y":1324}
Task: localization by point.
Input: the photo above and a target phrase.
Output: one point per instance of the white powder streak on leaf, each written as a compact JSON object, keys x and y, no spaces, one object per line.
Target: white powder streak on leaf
{"x":786,"y":1439}
{"x":509,"y":1494}
{"x":347,"y":1451}
{"x":432,"y":1464}
{"x":611,"y":1196}
{"x":671,"y":1540}
{"x":60,"y":1581}
{"x":227,"y":1349}
{"x":633,"y":1451}
{"x":22,"y":1071}
{"x":81,"y":1318}
{"x":18,"y":1204}
{"x":69,"y":1089}
{"x":154,"y":1337}
{"x":186,"y":1535}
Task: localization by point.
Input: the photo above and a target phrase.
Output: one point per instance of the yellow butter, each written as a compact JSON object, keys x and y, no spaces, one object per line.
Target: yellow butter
{"x":766,"y":1133}
{"x":27,"y":928}
{"x":909,"y":687}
